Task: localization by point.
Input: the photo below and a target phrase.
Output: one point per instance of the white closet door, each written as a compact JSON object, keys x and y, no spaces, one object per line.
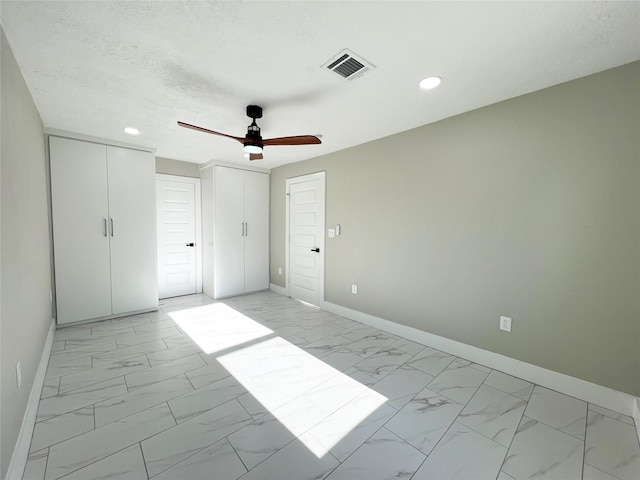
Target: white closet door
{"x":229,"y":230}
{"x":132,"y":208}
{"x":81,"y":245}
{"x":256,"y":246}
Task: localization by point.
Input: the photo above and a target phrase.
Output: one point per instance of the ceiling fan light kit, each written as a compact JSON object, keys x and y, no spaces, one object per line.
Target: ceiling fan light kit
{"x":252,"y":148}
{"x":253,"y":141}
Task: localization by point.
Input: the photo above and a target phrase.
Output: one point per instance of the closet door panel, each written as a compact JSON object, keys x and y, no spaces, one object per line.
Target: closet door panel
{"x":81,"y":245}
{"x":132,"y":208}
{"x":228,"y":242}
{"x":256,"y":246}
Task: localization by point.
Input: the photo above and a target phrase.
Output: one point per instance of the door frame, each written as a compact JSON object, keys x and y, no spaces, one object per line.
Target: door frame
{"x":322,"y":176}
{"x":198,"y":213}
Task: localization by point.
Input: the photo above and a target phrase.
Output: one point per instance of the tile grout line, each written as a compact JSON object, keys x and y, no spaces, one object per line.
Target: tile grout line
{"x":239,"y":457}
{"x":91,"y":463}
{"x":584,"y":444}
{"x":144,"y":460}
{"x":506,"y":455}
{"x":200,"y":449}
{"x":555,"y":428}
{"x":71,"y":437}
{"x":456,"y":419}
{"x":589,"y":410}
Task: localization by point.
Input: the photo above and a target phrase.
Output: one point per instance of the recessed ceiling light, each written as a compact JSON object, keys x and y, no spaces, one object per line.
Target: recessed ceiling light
{"x":430,"y":82}
{"x":132,"y":131}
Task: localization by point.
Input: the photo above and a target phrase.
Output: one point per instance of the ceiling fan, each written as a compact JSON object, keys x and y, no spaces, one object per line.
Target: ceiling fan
{"x":253,"y":142}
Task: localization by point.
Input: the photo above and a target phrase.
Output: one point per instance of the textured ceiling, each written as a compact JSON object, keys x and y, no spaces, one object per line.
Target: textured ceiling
{"x":96,"y":67}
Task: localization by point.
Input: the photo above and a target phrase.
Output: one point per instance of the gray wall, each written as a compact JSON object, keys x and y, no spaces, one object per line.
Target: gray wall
{"x":177,"y":167}
{"x":25,"y":273}
{"x":528,"y":208}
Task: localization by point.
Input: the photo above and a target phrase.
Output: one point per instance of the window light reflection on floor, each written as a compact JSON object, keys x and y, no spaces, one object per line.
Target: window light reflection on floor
{"x":217,"y":327}
{"x":315,"y":402}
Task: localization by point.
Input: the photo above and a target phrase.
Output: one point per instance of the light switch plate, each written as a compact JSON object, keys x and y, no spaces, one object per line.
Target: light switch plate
{"x":332,"y":233}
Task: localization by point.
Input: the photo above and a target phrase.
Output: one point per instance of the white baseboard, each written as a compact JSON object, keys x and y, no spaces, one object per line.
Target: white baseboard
{"x":278,"y":289}
{"x":21,"y":451}
{"x":590,"y":392}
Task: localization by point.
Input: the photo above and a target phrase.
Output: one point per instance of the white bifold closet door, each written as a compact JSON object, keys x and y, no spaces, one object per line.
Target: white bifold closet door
{"x":256,"y":239}
{"x":241,"y":232}
{"x":132,"y":206}
{"x":80,"y":204}
{"x":229,"y":232}
{"x":103,"y":207}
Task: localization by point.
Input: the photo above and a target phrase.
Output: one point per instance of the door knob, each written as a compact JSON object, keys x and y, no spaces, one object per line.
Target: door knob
{"x":191,"y":244}
{"x":317,"y":250}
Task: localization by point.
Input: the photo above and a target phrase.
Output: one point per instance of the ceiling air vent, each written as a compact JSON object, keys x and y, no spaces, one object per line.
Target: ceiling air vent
{"x":348,"y":65}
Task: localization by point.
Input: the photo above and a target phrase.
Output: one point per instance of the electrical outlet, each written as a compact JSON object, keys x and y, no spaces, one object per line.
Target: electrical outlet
{"x":279,"y":270}
{"x":18,"y":374}
{"x":505,"y":324}
{"x":354,"y":289}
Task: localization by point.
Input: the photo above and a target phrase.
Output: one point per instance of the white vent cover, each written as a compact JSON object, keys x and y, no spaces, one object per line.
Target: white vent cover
{"x":348,"y":65}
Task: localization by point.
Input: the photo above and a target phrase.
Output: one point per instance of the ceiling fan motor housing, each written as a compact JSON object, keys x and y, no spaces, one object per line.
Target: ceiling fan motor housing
{"x":254,"y":111}
{"x":253,"y":140}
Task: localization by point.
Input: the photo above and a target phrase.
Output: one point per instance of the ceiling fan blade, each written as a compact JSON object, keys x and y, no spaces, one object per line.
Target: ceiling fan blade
{"x":255,"y":156}
{"x":205,"y":130}
{"x":298,"y":140}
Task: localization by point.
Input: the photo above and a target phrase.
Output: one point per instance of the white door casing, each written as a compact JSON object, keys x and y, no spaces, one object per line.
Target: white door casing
{"x":305,"y":237}
{"x":177,"y":210}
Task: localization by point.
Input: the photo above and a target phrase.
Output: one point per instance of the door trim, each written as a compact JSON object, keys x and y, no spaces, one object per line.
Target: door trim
{"x":302,"y":179}
{"x":198,"y":213}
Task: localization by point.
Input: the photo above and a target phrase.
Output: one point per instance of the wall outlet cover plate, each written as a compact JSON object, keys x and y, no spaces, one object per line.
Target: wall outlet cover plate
{"x":505,"y":324}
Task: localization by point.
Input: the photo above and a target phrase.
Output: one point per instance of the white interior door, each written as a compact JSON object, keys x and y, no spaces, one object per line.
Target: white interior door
{"x":79,"y":200}
{"x":306,"y":196}
{"x":132,"y":204}
{"x":176,"y":219}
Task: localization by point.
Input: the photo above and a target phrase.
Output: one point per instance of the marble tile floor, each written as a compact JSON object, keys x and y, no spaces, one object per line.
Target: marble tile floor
{"x":264,"y":387}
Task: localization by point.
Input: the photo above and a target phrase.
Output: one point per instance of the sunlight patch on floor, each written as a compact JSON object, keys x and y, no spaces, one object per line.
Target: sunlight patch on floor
{"x":302,"y":392}
{"x":305,"y":394}
{"x":218,"y":327}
